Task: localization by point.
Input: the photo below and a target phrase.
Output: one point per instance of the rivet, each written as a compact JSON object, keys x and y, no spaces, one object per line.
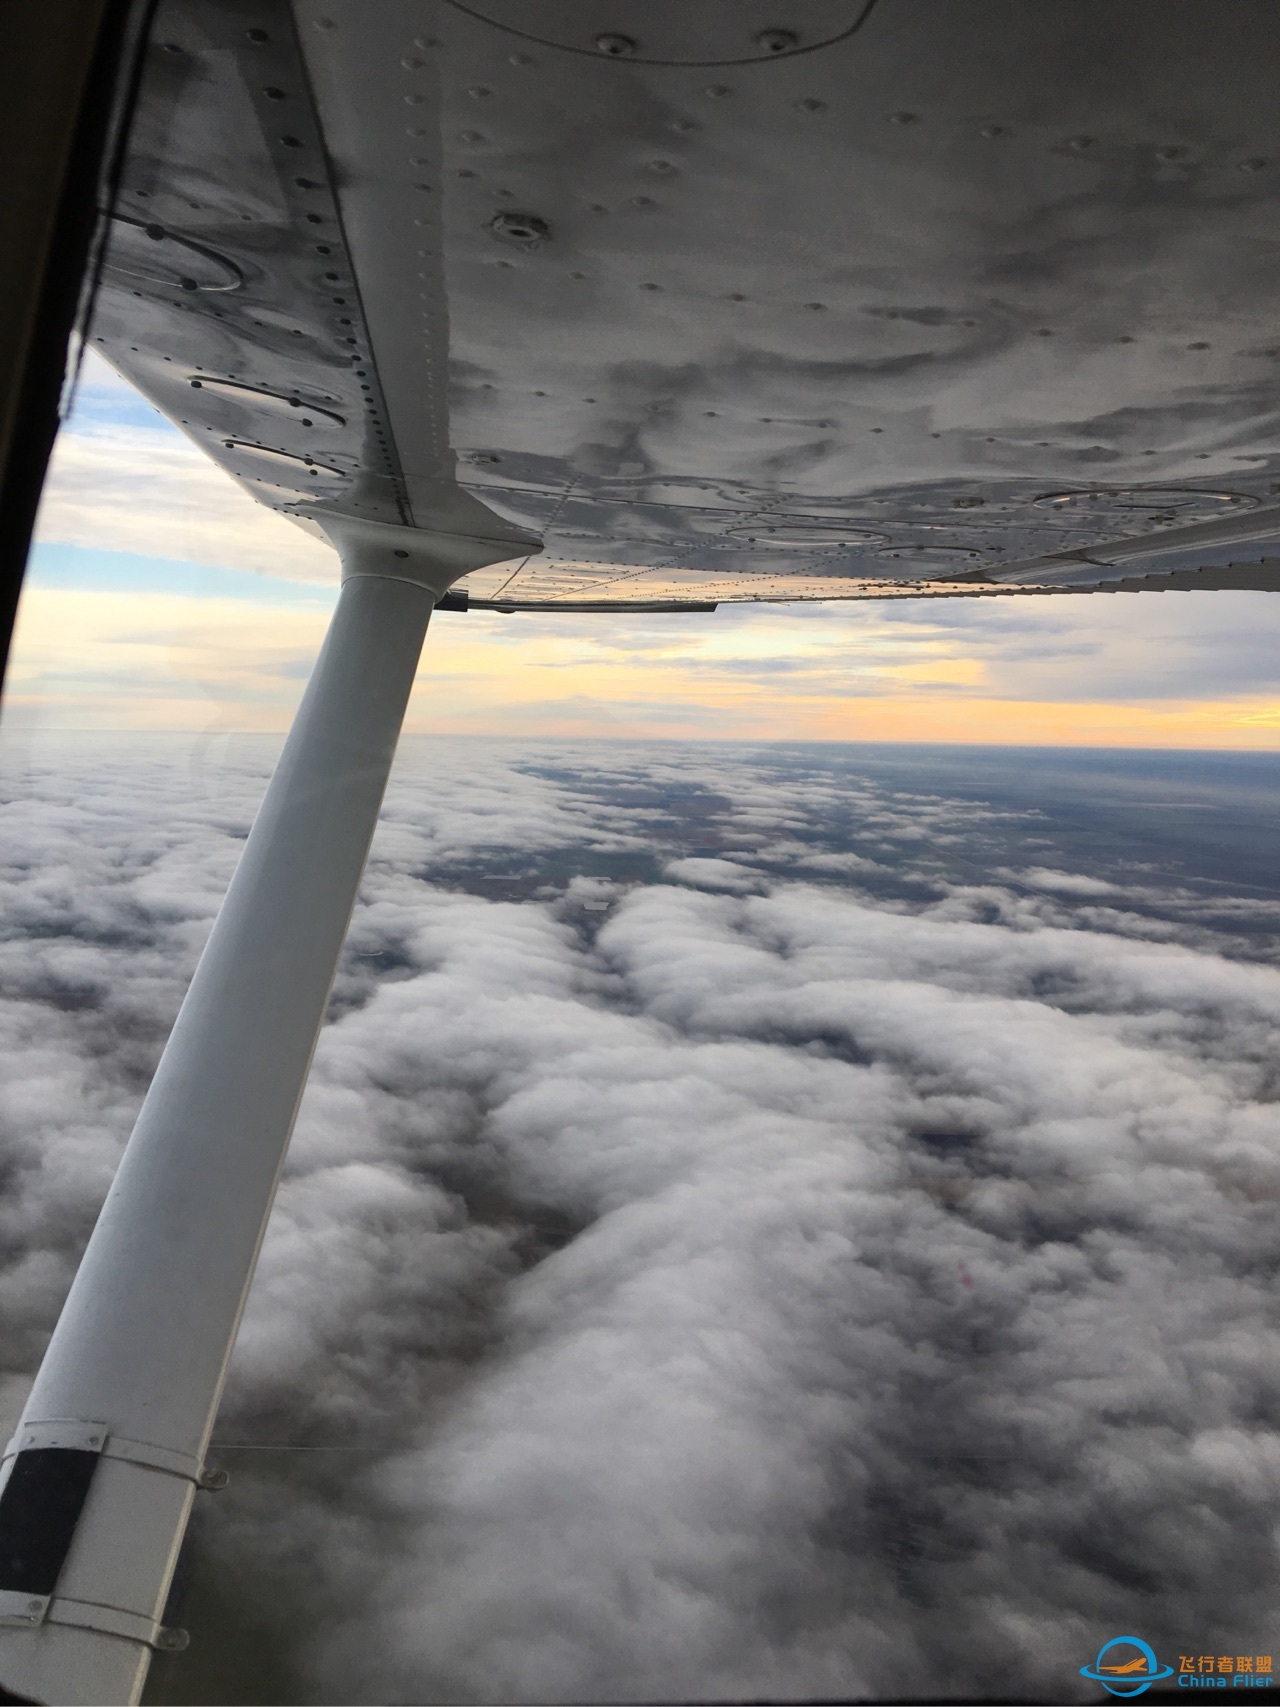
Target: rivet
{"x":650,"y":287}
{"x":810,"y":104}
{"x":662,"y":167}
{"x":777,"y":41}
{"x":274,"y":94}
{"x":1254,"y":165}
{"x":1198,"y":346}
{"x":412,"y":64}
{"x":526,"y":229}
{"x":520,"y":59}
{"x":991,"y":131}
{"x":717,"y":90}
{"x":1078,"y":144}
{"x":615,"y":46}
{"x":308,"y":184}
{"x":1044,"y":332}
{"x":399,"y":553}
{"x":478,"y":92}
{"x":1171,"y":152}
{"x":322,"y":24}
{"x":904,"y":118}
{"x":257,"y":35}
{"x":290,"y":142}
{"x":815,"y":305}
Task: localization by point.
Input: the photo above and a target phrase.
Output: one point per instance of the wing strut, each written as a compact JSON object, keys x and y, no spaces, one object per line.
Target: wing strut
{"x":98,"y":1481}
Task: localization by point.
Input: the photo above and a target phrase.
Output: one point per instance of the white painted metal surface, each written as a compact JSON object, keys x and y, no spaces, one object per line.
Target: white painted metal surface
{"x":141,"y":1350}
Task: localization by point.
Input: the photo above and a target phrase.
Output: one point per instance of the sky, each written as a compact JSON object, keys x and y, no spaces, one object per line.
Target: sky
{"x":768,"y":1222}
{"x":161,"y":597}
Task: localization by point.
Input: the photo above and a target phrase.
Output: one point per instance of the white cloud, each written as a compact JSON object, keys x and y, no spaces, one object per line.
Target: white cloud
{"x":766,"y":1294}
{"x":148,"y":490}
{"x":705,"y":873}
{"x":1061,"y":882}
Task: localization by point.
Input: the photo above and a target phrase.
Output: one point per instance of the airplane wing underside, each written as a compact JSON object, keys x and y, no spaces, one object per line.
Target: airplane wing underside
{"x":755,"y":301}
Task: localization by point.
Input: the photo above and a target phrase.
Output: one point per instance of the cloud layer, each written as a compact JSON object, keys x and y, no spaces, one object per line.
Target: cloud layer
{"x":726,"y":1249}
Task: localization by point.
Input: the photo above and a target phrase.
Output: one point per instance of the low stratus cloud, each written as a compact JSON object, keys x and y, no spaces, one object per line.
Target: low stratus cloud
{"x":744,"y":1283}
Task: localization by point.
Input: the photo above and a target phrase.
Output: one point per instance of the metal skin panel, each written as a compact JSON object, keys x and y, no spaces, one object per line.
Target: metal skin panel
{"x":723,"y":302}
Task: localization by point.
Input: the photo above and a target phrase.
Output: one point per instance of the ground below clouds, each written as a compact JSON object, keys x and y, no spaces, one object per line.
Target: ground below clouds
{"x":764,"y":1222}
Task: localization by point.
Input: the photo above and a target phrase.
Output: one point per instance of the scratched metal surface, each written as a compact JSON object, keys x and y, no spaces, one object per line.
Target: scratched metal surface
{"x":795,"y":300}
